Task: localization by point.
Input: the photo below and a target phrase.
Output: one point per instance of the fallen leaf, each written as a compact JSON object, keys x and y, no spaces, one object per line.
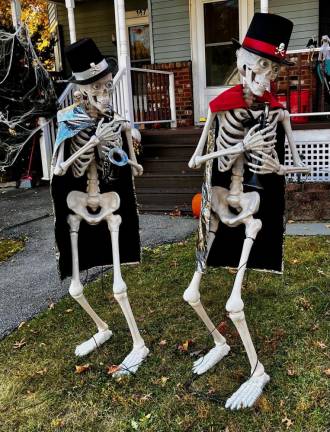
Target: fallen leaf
{"x":146,"y":397}
{"x":19,"y":344}
{"x":42,"y":371}
{"x":264,"y":405}
{"x":291,"y":372}
{"x":21,"y":325}
{"x":327,"y":372}
{"x":161,"y":381}
{"x":51,"y":305}
{"x":320,"y":344}
{"x":232,"y":270}
{"x":57,"y":423}
{"x":185,"y":345}
{"x":175,"y":212}
{"x":145,"y":418}
{"x":287,"y":421}
{"x":223,"y":327}
{"x":162,"y":343}
{"x":82,"y":368}
{"x":112,"y":369}
{"x":294,"y":261}
{"x":290,"y":221}
{"x":68,"y":310}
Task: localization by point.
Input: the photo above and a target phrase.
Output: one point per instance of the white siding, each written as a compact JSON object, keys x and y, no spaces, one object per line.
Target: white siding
{"x":303,"y":13}
{"x":171,"y":30}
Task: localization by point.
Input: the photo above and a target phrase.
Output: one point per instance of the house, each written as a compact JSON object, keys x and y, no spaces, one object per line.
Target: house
{"x":177,"y":55}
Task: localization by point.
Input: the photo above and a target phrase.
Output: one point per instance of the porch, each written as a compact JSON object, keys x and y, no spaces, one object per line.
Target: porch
{"x":160,"y":98}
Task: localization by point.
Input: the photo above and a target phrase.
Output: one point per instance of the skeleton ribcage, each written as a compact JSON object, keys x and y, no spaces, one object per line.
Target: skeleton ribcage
{"x":232,"y":131}
{"x":81,"y":164}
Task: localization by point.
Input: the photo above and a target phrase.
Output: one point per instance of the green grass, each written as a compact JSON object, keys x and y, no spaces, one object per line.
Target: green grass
{"x":288,"y":318}
{"x":9,"y":247}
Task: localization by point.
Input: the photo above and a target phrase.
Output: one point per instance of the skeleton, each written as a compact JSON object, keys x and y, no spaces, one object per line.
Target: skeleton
{"x":89,"y":153}
{"x":234,"y":141}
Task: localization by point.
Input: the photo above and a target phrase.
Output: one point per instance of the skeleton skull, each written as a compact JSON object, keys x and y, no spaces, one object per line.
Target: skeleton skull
{"x":99,"y":92}
{"x":257,"y":71}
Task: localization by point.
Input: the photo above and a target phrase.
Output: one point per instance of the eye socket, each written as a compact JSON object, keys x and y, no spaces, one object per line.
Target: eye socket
{"x":96,"y":86}
{"x":276,"y":69}
{"x":264,"y":63}
{"x":109,"y":85}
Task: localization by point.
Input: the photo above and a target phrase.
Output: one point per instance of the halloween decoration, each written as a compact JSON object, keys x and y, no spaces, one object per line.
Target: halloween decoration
{"x":93,"y":192}
{"x":26,"y":93}
{"x":244,"y":133}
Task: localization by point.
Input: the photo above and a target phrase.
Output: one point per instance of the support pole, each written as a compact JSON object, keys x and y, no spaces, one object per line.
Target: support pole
{"x":264,"y":6}
{"x":70,"y":5}
{"x":16,"y":13}
{"x":124,"y":61}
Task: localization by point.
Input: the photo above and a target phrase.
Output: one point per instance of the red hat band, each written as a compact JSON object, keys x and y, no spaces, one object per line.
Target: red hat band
{"x":264,"y":47}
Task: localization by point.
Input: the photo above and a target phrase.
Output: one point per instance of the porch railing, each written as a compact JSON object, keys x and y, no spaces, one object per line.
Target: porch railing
{"x":153,"y":96}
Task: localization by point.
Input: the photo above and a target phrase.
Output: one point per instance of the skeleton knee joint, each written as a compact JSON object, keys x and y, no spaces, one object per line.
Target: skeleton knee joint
{"x":191,"y":294}
{"x":76,"y":289}
{"x":235,"y":305}
{"x":119,"y":287}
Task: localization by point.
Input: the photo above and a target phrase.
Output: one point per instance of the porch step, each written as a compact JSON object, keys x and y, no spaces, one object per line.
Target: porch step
{"x":164,"y":180}
{"x":168,"y":183}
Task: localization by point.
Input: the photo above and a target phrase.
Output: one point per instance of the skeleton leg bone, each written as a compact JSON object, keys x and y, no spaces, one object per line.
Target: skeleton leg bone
{"x":192,"y":296}
{"x":76,"y":291}
{"x":139,"y":352}
{"x":250,"y":391}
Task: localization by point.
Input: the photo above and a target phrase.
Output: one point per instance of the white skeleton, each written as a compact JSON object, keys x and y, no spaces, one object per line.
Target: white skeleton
{"x":82,"y":158}
{"x":232,"y":142}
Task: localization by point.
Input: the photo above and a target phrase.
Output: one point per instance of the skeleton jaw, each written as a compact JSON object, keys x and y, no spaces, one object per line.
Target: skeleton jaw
{"x":256,"y":83}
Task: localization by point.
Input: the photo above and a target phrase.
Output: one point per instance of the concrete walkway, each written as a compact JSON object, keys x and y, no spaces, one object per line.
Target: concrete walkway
{"x":29,"y":280}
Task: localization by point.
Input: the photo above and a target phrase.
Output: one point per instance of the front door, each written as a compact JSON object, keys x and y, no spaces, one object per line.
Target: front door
{"x":214,"y":24}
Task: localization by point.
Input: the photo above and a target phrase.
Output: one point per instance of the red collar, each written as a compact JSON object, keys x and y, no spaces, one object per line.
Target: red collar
{"x":233,"y":98}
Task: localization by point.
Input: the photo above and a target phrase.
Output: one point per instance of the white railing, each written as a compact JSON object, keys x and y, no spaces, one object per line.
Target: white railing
{"x":314,"y":148}
{"x":153,"y":96}
{"x":118,"y":95}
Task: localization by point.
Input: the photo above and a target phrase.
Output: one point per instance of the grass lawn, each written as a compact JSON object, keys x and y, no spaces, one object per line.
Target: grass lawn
{"x":287,"y":316}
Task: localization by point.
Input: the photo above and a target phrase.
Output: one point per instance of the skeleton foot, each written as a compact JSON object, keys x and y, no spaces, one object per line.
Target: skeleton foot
{"x":93,"y":343}
{"x":248,"y":393}
{"x":213,"y":357}
{"x":132,"y":362}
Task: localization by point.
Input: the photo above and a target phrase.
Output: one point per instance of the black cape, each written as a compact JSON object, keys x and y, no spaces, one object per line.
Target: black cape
{"x":267,"y":250}
{"x":94,"y":241}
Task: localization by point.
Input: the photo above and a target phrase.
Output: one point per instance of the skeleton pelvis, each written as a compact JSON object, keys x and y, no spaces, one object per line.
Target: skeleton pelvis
{"x":108,"y":203}
{"x":248,"y":205}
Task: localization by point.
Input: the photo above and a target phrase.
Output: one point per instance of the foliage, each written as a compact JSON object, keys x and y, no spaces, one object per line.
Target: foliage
{"x":35,"y":15}
{"x":9,"y":247}
{"x":41,"y":389}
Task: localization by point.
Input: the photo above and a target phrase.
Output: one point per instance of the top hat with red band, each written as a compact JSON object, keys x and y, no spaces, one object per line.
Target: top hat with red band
{"x":86,"y":61}
{"x":268,"y":36}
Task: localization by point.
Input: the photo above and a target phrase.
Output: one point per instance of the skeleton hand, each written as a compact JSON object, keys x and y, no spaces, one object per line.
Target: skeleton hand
{"x":262,"y":140}
{"x":105,"y":131}
{"x":192,"y":163}
{"x":266,"y":163}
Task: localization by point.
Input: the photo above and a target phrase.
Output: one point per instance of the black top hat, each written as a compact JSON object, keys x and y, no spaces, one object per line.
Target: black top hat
{"x":86,"y":61}
{"x":268,"y":36}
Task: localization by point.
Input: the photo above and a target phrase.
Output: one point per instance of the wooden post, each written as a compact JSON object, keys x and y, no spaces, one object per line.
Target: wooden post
{"x":16,"y":13}
{"x":124,"y":61}
{"x":264,"y":6}
{"x":70,"y":5}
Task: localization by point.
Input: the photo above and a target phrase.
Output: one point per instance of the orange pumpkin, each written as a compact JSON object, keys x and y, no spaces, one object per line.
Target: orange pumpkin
{"x":196,"y":205}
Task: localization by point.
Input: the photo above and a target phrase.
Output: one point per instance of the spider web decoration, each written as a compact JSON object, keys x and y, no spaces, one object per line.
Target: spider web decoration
{"x":26,"y":93}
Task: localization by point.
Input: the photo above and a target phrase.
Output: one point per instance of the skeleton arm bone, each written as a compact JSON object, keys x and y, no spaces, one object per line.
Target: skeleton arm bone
{"x":62,"y":167}
{"x":288,"y":132}
{"x":201,"y":143}
{"x":137,"y":169}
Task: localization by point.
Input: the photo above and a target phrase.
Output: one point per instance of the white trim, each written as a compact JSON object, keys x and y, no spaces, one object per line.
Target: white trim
{"x":201,"y":92}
